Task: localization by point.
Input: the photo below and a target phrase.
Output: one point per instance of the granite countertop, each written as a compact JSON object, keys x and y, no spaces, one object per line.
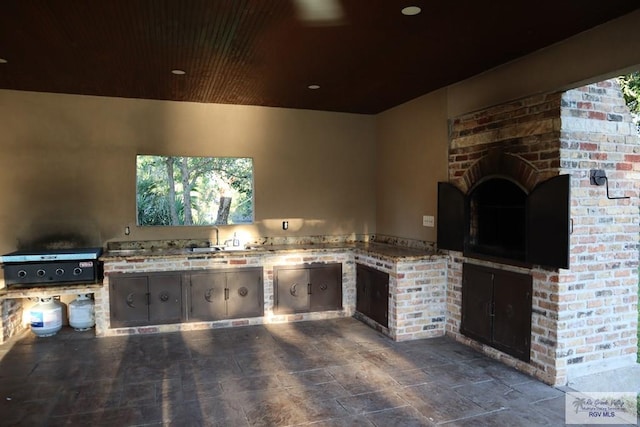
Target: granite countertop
{"x":386,"y":251}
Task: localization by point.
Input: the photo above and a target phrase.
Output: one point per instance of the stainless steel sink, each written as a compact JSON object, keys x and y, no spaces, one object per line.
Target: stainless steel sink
{"x":124,"y":252}
{"x":208,"y":249}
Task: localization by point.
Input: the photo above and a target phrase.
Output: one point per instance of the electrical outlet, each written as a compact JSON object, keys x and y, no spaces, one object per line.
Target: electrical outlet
{"x":428,"y":221}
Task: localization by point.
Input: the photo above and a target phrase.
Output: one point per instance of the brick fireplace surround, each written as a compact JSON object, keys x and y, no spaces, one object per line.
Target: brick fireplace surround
{"x":584,"y":319}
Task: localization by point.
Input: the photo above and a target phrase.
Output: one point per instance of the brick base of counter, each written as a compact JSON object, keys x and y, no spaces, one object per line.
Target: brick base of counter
{"x":417,"y":297}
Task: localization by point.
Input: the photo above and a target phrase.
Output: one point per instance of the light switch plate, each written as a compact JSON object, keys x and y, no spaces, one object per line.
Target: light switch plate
{"x":428,"y":221}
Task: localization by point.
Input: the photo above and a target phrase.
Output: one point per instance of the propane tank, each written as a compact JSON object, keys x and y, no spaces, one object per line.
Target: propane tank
{"x":82,"y":313}
{"x":46,"y":317}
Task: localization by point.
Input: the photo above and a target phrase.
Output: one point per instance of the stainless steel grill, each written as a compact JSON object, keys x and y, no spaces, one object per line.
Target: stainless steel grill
{"x":52,"y":267}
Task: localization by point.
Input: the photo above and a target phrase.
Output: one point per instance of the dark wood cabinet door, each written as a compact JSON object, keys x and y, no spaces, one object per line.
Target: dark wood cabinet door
{"x":363,"y":287}
{"x":452,"y":221}
{"x":477,"y":303}
{"x":372,"y":294}
{"x":512,"y":314}
{"x":128,"y":300}
{"x":165,"y":298}
{"x":380,"y":297}
{"x":549,"y":222}
{"x":207,"y":296}
{"x":326,"y":287}
{"x":292,"y":289}
{"x":496,"y":309}
{"x":244,"y":293}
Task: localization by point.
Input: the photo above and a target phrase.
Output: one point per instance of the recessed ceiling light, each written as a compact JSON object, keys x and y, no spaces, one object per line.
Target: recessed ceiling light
{"x":314,"y":87}
{"x":411,"y":10}
{"x":178,"y":72}
{"x":3,"y":61}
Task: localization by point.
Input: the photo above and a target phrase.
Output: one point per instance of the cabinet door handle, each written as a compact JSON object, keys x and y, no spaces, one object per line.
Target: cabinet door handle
{"x":226,"y":293}
{"x":129,"y":300}
{"x":148,"y":298}
{"x":308,"y":288}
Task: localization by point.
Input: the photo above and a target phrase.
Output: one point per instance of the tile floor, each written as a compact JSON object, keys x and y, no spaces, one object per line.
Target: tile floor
{"x":322,"y":373}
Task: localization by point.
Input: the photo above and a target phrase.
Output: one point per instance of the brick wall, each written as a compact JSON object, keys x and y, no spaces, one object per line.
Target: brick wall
{"x":584,"y":318}
{"x":597,"y":298}
{"x":12,"y":312}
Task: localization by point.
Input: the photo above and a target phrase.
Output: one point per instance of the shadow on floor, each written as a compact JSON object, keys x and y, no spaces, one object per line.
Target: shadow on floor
{"x":322,"y":373}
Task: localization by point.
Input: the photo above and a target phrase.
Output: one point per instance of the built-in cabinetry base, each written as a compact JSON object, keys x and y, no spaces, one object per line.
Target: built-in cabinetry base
{"x":496,"y":309}
{"x":154,"y":298}
{"x":372,"y":294}
{"x":306,"y":288}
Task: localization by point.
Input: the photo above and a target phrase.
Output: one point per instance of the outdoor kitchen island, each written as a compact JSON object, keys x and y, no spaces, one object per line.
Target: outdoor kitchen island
{"x":416,"y":286}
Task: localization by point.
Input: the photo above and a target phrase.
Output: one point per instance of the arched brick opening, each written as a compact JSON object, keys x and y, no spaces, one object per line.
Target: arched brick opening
{"x":499,"y":163}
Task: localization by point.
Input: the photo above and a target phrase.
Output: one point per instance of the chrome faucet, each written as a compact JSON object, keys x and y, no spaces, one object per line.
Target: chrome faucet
{"x":217,"y":236}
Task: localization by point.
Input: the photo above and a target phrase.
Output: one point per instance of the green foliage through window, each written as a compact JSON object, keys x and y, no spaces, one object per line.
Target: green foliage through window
{"x":194,"y":190}
{"x":630,"y":85}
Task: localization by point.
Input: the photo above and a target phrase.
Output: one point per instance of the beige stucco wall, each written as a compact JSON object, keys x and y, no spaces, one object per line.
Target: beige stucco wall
{"x":67,"y":164}
{"x":412,"y":153}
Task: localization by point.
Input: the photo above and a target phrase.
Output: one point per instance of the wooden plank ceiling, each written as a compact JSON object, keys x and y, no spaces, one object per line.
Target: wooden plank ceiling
{"x":367,"y":57}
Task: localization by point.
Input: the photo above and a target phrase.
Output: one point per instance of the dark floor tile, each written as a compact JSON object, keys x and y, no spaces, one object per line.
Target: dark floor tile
{"x":88,"y":398}
{"x":15,"y":412}
{"x":323,"y":409}
{"x":206,"y":412}
{"x":126,"y":416}
{"x":507,"y":417}
{"x":321,"y":373}
{"x":61,"y":370}
{"x":304,"y":378}
{"x":210,"y":369}
{"x":16,"y":369}
{"x":143,"y":394}
{"x":501,"y":372}
{"x":412,"y":377}
{"x":254,"y":383}
{"x":362,"y":378}
{"x":158,"y":370}
{"x":330,"y":390}
{"x":405,"y":416}
{"x":439,"y":404}
{"x":491,"y":395}
{"x":535,"y":390}
{"x":252,"y":364}
{"x":425,"y":359}
{"x":24,"y":391}
{"x":274,"y":409}
{"x":453,"y":350}
{"x":371,"y":402}
{"x":351,"y":421}
{"x":455,"y":374}
{"x":389,"y":360}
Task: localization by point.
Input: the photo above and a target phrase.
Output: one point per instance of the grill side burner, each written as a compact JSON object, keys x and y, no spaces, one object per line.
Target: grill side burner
{"x":53,"y":267}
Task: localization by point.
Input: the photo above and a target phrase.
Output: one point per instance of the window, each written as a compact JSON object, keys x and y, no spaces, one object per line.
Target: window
{"x":178,"y":191}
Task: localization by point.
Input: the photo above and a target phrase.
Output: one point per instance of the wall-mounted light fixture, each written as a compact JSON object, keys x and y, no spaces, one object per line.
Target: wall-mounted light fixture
{"x":599,"y":177}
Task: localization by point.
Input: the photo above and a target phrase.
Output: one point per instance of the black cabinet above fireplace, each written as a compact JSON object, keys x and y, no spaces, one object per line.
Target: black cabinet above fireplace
{"x":499,"y":220}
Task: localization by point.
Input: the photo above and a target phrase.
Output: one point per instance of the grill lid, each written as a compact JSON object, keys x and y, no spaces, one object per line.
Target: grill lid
{"x":71,"y":254}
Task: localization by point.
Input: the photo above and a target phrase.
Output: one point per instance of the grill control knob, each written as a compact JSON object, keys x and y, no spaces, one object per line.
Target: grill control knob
{"x":22,"y":274}
{"x":59,"y":272}
{"x":41,"y":273}
{"x":77,"y":271}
